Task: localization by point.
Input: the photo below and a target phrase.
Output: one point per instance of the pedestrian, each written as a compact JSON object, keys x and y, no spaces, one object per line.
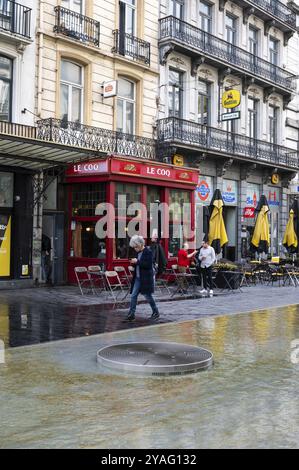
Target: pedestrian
{"x":207,"y":258}
{"x":143,"y":277}
{"x":183,"y":265}
{"x":159,"y":257}
{"x":46,"y":258}
{"x":198,"y":265}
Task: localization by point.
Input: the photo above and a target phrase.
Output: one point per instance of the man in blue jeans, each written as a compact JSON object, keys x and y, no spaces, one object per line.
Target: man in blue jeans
{"x":143,"y":278}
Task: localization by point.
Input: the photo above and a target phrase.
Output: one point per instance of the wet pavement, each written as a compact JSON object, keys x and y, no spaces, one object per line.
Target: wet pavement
{"x":31,"y":316}
{"x":55,"y":395}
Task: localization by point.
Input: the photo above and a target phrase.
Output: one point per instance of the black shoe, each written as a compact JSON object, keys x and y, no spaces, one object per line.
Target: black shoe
{"x":155,"y":315}
{"x":131,"y":316}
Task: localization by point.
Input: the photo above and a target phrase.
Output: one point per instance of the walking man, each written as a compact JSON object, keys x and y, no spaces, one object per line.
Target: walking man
{"x":159,"y":258}
{"x":143,"y":278}
{"x":207,"y":258}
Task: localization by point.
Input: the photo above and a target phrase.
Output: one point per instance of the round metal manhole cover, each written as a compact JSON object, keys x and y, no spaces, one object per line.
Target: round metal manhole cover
{"x":155,"y":358}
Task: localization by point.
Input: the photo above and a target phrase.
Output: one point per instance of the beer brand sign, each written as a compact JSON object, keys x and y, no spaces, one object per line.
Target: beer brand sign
{"x":231,"y":99}
{"x":248,"y":212}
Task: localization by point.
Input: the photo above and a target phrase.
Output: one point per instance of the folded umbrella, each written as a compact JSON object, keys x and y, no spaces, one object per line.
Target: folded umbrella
{"x":290,"y":239}
{"x":260,"y":241}
{"x":217,"y":236}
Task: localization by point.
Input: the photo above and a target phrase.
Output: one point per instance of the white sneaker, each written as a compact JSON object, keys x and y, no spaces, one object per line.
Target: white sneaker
{"x":211,"y":292}
{"x":203,"y":291}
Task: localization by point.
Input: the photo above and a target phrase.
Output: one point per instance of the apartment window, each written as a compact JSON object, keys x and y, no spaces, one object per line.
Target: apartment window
{"x":205,"y":16}
{"x":273,"y":50}
{"x":253,"y":41}
{"x":71,"y":91}
{"x":273,"y":115}
{"x":126,"y":103}
{"x":252,"y":118}
{"x":231,"y":29}
{"x":176,"y":9}
{"x":73,"y":5}
{"x":175,"y":93}
{"x":5,"y":88}
{"x":204,"y":103}
{"x":127,"y":16}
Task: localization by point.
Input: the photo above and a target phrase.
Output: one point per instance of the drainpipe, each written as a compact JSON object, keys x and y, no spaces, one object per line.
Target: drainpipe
{"x":40,"y":60}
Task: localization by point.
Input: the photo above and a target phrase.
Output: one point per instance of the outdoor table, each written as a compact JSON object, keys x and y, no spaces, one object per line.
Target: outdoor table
{"x":231,"y":280}
{"x":188,"y":277}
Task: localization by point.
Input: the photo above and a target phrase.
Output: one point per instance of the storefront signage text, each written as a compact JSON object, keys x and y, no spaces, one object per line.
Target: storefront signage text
{"x":88,"y":168}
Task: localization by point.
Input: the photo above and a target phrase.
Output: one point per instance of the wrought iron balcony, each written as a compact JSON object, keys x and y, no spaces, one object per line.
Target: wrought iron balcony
{"x":15,"y":18}
{"x":193,"y":136}
{"x":128,"y":45}
{"x":77,"y":26}
{"x":95,"y":138}
{"x":192,"y":41}
{"x":285,"y":17}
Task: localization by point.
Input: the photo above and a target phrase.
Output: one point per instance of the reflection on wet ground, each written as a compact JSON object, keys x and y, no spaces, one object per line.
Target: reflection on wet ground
{"x":23,"y":323}
{"x":56,"y":395}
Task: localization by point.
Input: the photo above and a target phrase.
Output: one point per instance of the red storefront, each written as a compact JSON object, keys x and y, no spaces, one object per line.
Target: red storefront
{"x":96,"y":182}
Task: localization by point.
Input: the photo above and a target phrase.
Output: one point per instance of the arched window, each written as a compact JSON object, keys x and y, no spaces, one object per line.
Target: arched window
{"x":71,"y":91}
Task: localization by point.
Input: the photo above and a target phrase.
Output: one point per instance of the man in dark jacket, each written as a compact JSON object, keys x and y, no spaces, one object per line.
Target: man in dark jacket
{"x":143,"y":278}
{"x":159,"y":258}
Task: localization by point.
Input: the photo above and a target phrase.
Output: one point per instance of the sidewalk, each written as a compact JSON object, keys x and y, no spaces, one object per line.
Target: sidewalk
{"x":46,"y":314}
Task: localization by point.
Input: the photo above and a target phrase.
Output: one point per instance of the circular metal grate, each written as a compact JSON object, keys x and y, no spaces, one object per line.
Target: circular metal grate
{"x":155,"y":358}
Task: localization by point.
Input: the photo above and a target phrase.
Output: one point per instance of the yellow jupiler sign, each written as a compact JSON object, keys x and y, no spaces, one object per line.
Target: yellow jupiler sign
{"x":5,"y":237}
{"x":231,"y":99}
{"x":178,"y":160}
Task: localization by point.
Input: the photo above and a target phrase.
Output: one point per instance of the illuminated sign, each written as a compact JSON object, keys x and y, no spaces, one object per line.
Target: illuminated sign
{"x":231,"y":99}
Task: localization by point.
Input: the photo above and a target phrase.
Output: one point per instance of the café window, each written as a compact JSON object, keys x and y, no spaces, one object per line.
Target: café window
{"x":86,"y":197}
{"x":6,"y":189}
{"x":125,"y":194}
{"x":177,"y":216}
{"x":85,"y":243}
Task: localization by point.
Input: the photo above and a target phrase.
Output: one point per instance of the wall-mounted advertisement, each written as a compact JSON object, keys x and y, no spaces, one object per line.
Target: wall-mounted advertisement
{"x":204,"y":190}
{"x":230,"y":192}
{"x":5,"y":242}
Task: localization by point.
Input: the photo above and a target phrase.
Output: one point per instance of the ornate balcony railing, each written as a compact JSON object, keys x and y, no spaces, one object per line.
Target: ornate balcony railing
{"x":195,"y":40}
{"x":95,"y":138}
{"x":276,"y":8}
{"x":76,"y":26}
{"x":182,"y":133}
{"x":15,"y":18}
{"x":128,"y":45}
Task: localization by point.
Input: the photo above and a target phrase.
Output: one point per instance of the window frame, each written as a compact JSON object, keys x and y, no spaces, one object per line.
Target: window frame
{"x":127,"y":100}
{"x":10,"y":81}
{"x":70,"y":86}
{"x":202,"y":16}
{"x":177,"y":87}
{"x":71,"y":6}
